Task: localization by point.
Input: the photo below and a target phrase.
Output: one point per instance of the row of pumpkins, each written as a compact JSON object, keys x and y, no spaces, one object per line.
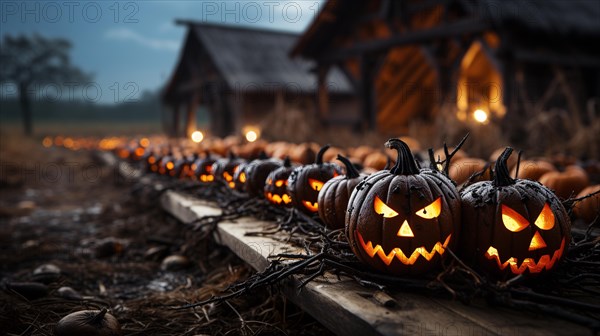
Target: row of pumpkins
{"x":401,"y":220}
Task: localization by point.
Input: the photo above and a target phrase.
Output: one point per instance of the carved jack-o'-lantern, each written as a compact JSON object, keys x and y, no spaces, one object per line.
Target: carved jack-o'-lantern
{"x":166,"y":164}
{"x":402,"y":221}
{"x":334,"y":197}
{"x":224,"y":169}
{"x":240,"y":177}
{"x":513,"y":227}
{"x":183,"y":166}
{"x":305,"y":182}
{"x":275,"y":189}
{"x":203,"y":168}
{"x":257,"y":173}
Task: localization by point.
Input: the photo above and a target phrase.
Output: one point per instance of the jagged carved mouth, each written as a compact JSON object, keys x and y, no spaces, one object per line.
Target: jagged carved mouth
{"x":545,"y":261}
{"x":286,"y":199}
{"x":314,"y":207}
{"x":396,"y":252}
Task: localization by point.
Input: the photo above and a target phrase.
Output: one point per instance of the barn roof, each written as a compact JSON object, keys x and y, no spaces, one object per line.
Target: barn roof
{"x":258,"y":60}
{"x":577,"y":21}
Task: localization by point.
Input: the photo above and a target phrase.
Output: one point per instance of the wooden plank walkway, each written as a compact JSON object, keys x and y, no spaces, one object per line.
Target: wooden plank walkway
{"x":346,"y":308}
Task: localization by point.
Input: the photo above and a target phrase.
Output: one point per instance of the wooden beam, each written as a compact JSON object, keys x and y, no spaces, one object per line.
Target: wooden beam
{"x":190,"y":123}
{"x":346,"y":308}
{"x":175,"y":120}
{"x":367,"y":91}
{"x":466,"y":26}
{"x":322,"y":93}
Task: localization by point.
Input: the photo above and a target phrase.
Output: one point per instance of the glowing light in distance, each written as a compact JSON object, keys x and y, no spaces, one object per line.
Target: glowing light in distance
{"x":251,"y":136}
{"x":197,"y":137}
{"x":480,"y":116}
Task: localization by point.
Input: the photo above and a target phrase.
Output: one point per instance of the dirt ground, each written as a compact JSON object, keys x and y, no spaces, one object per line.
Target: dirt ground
{"x":63,"y":208}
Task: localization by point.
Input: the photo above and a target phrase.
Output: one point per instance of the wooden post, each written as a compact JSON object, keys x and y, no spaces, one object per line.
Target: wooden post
{"x":367,"y":76}
{"x":190,"y":123}
{"x":322,"y":94}
{"x":175,"y":125}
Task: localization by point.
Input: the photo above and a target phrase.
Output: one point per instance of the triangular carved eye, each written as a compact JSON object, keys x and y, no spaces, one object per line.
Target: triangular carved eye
{"x":382,"y":208}
{"x":432,"y":210}
{"x":315,"y":184}
{"x":545,"y":220}
{"x":512,"y":220}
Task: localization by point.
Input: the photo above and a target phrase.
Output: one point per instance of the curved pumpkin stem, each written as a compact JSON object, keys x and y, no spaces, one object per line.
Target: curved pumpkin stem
{"x":351,"y":171}
{"x":405,"y":164}
{"x":502,"y":175}
{"x":320,"y":154}
{"x":97,"y":319}
{"x":286,"y":162}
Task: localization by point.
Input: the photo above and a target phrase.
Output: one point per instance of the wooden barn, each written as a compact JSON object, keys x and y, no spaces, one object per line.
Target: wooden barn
{"x":412,"y":60}
{"x":240,"y":76}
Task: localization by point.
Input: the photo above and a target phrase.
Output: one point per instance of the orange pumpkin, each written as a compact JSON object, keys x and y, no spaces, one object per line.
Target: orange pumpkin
{"x":532,"y":169}
{"x":376,"y":160}
{"x":567,"y":183}
{"x":589,"y":208}
{"x":462,"y":169}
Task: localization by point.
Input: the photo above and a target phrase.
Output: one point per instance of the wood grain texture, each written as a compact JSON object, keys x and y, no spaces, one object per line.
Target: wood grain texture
{"x":346,"y":308}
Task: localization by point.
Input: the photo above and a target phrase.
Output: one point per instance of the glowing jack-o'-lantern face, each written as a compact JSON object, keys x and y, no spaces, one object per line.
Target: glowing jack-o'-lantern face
{"x":203,"y":169}
{"x":305,"y":182}
{"x":224,"y":169}
{"x":513,"y":227}
{"x":535,"y":262}
{"x":403,"y":221}
{"x":275,"y":189}
{"x":257,"y":173}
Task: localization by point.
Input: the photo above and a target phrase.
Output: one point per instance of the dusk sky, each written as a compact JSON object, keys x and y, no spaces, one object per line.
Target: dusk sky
{"x":134,"y":46}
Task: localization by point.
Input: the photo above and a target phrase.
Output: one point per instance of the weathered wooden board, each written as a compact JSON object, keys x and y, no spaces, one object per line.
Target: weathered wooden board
{"x":349,"y":309}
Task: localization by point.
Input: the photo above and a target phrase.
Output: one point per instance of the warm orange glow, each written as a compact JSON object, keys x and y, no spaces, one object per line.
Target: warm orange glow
{"x":231,"y":185}
{"x":139,"y":151}
{"x":405,"y":230}
{"x":197,"y":137}
{"x":382,"y":208}
{"x":207,"y":178}
{"x":537,"y":242}
{"x":280,"y":183}
{"x":47,"y":142}
{"x":545,"y":220}
{"x":251,"y":136}
{"x":512,"y":220}
{"x":399,"y":254}
{"x":144,"y":142}
{"x":545,"y":262}
{"x":315,"y":184}
{"x":242,"y":178}
{"x":274,"y":198}
{"x":170,"y":165}
{"x":208,"y":169}
{"x":227,"y":176}
{"x":432,"y":210}
{"x":58,"y":141}
{"x":314,"y":207}
{"x":151,"y":160}
{"x":480,"y":116}
{"x":68,"y":143}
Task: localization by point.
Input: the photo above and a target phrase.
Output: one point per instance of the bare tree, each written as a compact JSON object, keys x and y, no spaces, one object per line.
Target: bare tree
{"x":25,"y":60}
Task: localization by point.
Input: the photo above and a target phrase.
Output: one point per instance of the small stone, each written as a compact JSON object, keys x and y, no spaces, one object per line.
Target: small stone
{"x":174,"y":262}
{"x":69,"y":293}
